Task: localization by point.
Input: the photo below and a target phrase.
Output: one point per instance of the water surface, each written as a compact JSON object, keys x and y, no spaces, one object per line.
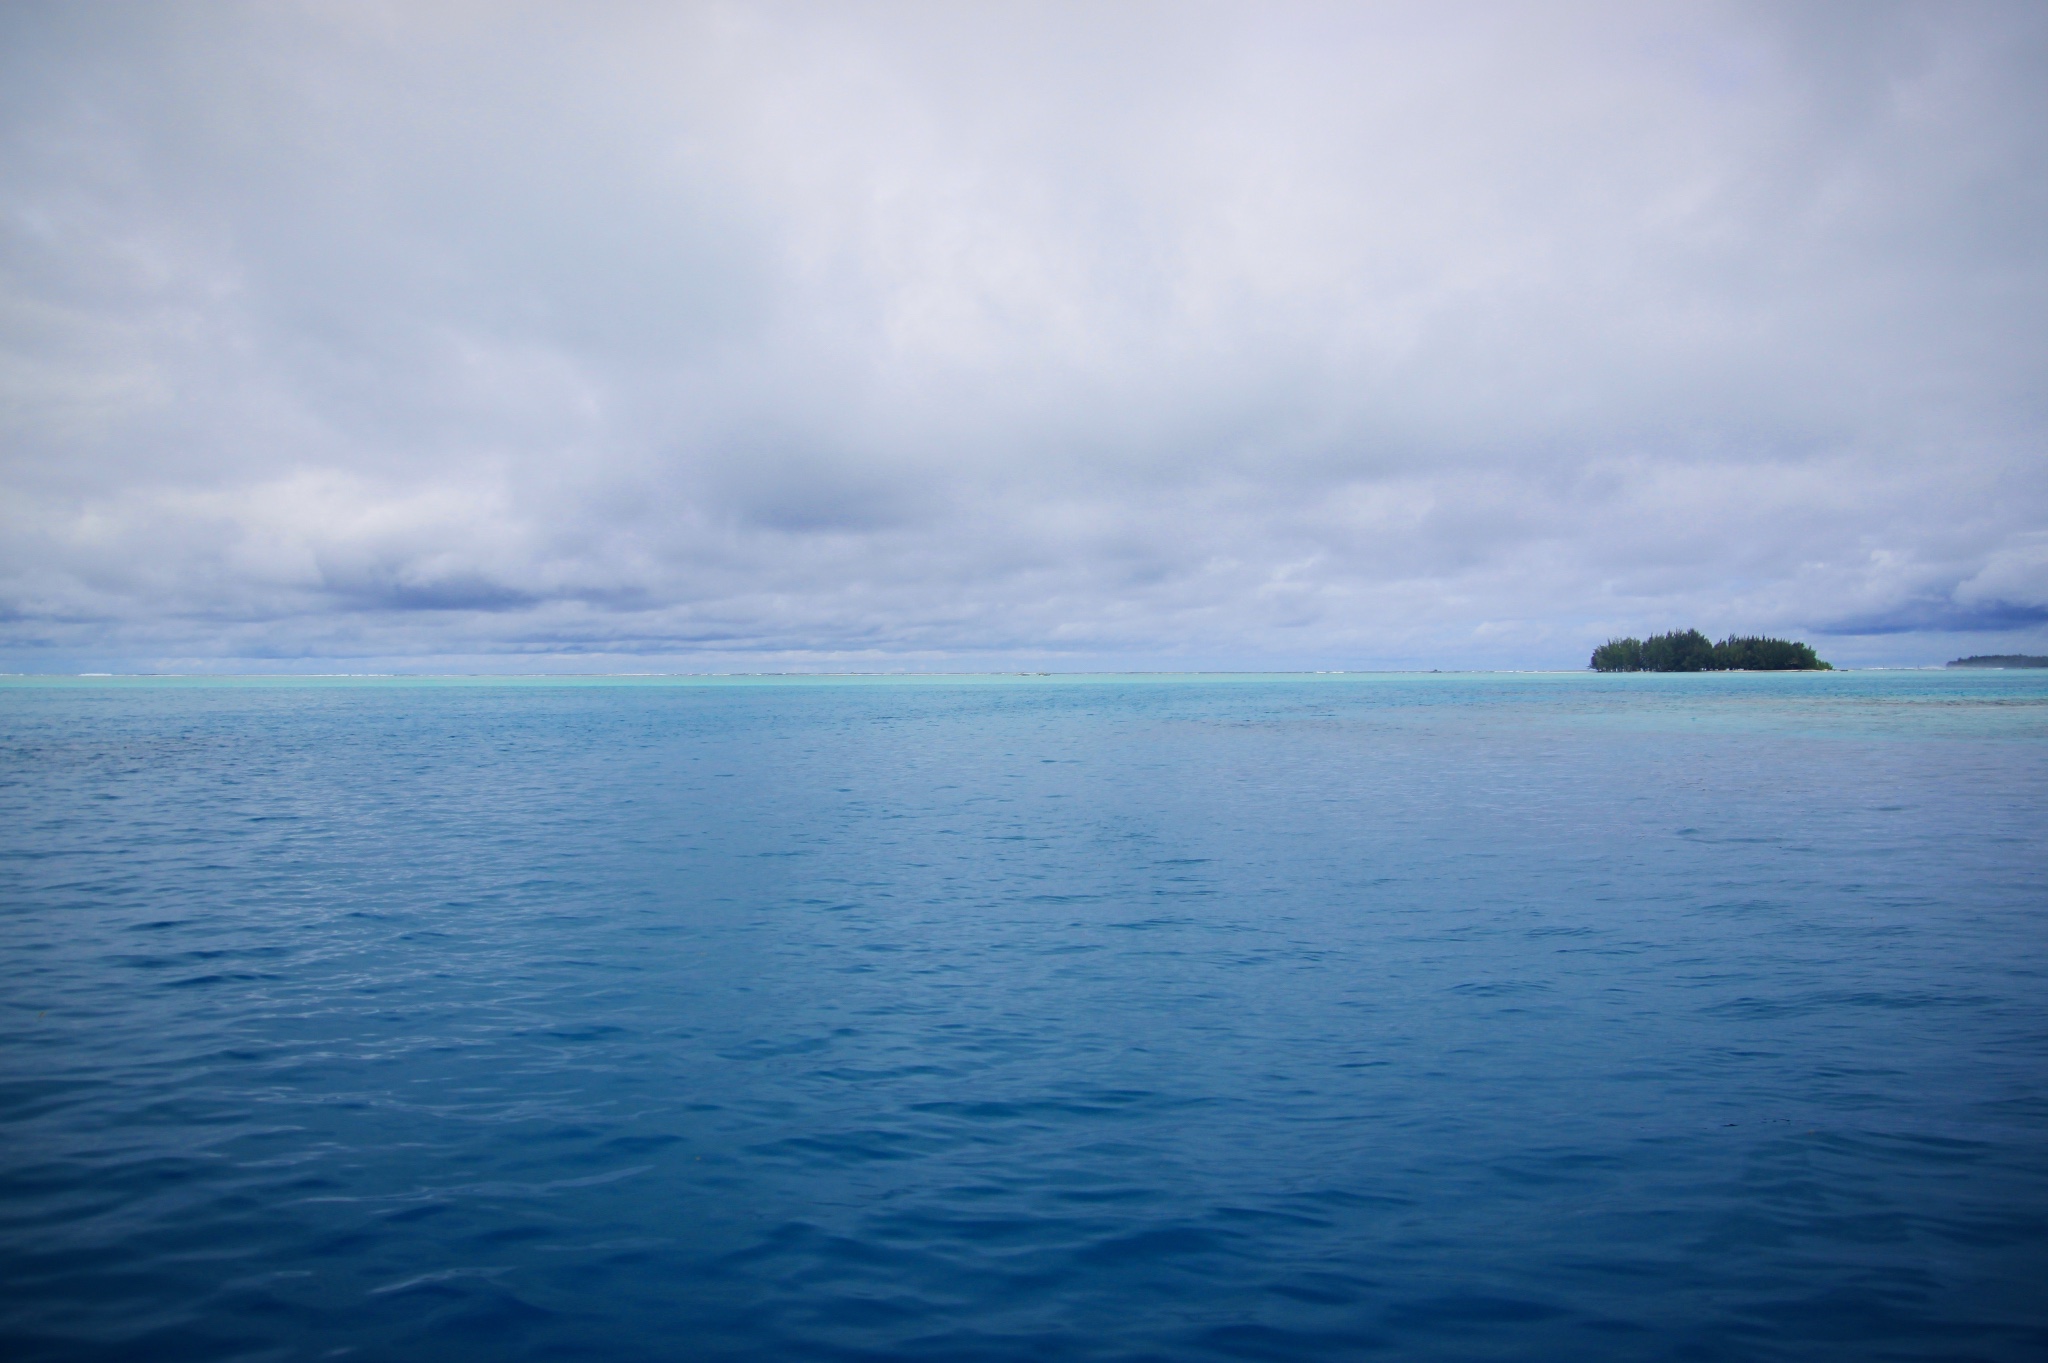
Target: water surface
{"x":1453,"y":1017}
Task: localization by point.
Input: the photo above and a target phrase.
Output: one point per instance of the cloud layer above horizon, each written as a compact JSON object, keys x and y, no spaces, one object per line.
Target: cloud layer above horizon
{"x":744,"y":337}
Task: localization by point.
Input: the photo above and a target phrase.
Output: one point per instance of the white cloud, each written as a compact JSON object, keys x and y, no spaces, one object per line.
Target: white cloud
{"x":1224,"y":335}
{"x":2014,"y":575}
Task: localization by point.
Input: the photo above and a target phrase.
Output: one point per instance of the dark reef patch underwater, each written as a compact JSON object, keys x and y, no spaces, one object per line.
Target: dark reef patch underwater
{"x":1519,"y":1017}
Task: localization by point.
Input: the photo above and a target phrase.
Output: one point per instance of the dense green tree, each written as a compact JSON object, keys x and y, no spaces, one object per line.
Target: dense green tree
{"x":1691,"y":651}
{"x":1679,"y":651}
{"x":1619,"y":655}
{"x":2002,"y":660}
{"x":1750,"y":653}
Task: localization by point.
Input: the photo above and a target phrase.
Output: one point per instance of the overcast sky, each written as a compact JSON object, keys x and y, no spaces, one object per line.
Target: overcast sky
{"x":867,"y":336}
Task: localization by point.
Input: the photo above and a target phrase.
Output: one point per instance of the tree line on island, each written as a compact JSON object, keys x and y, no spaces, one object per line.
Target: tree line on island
{"x":1691,"y":651}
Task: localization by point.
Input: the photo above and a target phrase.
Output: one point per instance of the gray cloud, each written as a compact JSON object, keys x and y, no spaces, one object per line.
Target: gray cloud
{"x":766,"y":336}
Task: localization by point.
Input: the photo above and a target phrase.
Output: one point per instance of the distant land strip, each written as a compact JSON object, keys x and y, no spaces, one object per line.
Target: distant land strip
{"x":1691,"y":651}
{"x":2002,"y":660}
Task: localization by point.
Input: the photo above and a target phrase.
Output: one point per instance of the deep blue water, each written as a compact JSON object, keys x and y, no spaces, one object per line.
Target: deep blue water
{"x":1313,"y":1018}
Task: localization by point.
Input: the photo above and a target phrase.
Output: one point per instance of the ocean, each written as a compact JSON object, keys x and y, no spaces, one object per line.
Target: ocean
{"x":1109,"y":1018}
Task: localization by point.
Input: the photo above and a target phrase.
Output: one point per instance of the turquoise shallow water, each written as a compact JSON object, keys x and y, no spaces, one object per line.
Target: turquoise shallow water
{"x":1298,"y":1018}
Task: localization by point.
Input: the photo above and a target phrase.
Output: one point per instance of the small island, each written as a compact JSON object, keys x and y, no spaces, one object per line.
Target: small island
{"x":2002,"y":660}
{"x":1691,"y":651}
